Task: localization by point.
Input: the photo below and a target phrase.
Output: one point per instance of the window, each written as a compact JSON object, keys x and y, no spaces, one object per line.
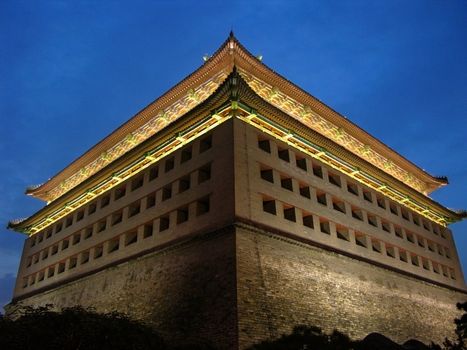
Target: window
{"x":65,"y":244}
{"x":286,"y":182}
{"x":204,"y":173}
{"x":134,"y":209}
{"x":131,"y":238}
{"x":352,"y":188}
{"x":416,"y":220}
{"x":289,"y":213}
{"x":45,"y":254}
{"x":398,"y":232}
{"x":321,"y":198}
{"x":184,"y":184}
{"x":73,"y":263}
{"x":80,"y":215}
{"x":435,"y":267}
{"x":186,"y":155}
{"x":421,"y":242}
{"x":33,"y":241}
{"x":54,"y":249}
{"x":76,"y":238}
{"x":267,"y":174}
{"x":48,"y":234}
{"x":308,"y":220}
{"x":84,"y":257}
{"x":305,"y":191}
{"x":58,"y":227}
{"x":120,"y":192}
{"x":169,"y":164}
{"x":386,"y":226}
{"x":167,"y":192}
{"x":182,"y":215}
{"x":342,"y":233}
{"x":393,"y":209}
{"x":117,"y":218}
{"x":334,"y":179}
{"x":372,"y":220}
{"x":205,"y":144}
{"x":367,"y":196}
{"x":381,"y":202}
{"x":283,"y":153}
{"x":148,"y":230}
{"x":426,"y":226}
{"x":410,"y":237}
{"x":324,"y":226}
{"x":88,"y":232}
{"x":164,"y":223}
{"x":360,"y":239}
{"x":376,"y":245}
{"x":301,"y":162}
{"x":403,"y":256}
{"x":105,"y":201}
{"x":425,"y":264}
{"x":50,"y":271}
{"x":151,"y":200}
{"x":137,"y":183}
{"x":61,"y":267}
{"x":69,"y":221}
{"x":269,"y":206}
{"x":338,"y":205}
{"x":92,"y":208}
{"x":264,"y":145}
{"x":114,"y":245}
{"x":101,"y":225}
{"x":390,"y":251}
{"x":318,"y":171}
{"x":414,"y":260}
{"x":153,"y":173}
{"x":98,"y":251}
{"x":357,"y":213}
{"x":202,"y":206}
{"x":431,"y":246}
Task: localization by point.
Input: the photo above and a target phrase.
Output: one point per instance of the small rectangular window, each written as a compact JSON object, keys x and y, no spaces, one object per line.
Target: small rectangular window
{"x":73,"y":263}
{"x":120,"y":192}
{"x":202,"y":206}
{"x":50,"y":271}
{"x":405,"y":214}
{"x":105,"y":201}
{"x":286,"y":182}
{"x":360,"y":239}
{"x":436,"y":268}
{"x":398,"y":232}
{"x":65,"y":244}
{"x":98,"y":252}
{"x":182,"y":215}
{"x":61,"y":267}
{"x":425,"y":264}
{"x":58,"y":227}
{"x":343,"y":233}
{"x":92,"y":208}
{"x":376,"y":245}
{"x":151,"y":200}
{"x":184,"y":184}
{"x":153,"y":173}
{"x":148,"y":230}
{"x":205,"y":144}
{"x":416,"y":220}
{"x":426,"y":226}
{"x":54,"y":249}
{"x":264,"y":145}
{"x":69,"y":221}
{"x":269,"y":206}
{"x":301,"y":162}
{"x":84,"y":257}
{"x":421,"y":242}
{"x":101,"y":225}
{"x":318,"y":171}
{"x":131,"y":238}
{"x":88,"y":232}
{"x":80,"y":215}
{"x":357,"y":213}
{"x":305,"y":191}
{"x":367,"y":196}
{"x":204,"y":173}
{"x":113,"y":245}
{"x":372,"y":220}
{"x":324,"y":226}
{"x":334,"y":179}
{"x":414,"y":260}
{"x":117,"y":218}
{"x":48,"y":234}
{"x":390,"y":251}
{"x":289,"y":213}
{"x":164,"y":223}
{"x":393,"y":209}
{"x":186,"y":154}
{"x":137,"y":183}
{"x":134,"y":209}
{"x":321,"y":198}
{"x":352,"y":188}
{"x":169,"y":164}
{"x":410,"y":237}
{"x":403,"y":256}
{"x":381,"y":202}
{"x":338,"y":205}
{"x":267,"y":174}
{"x":386,"y":226}
{"x":283,"y":153}
{"x":167,"y":192}
{"x":308,"y":220}
{"x":76,"y":238}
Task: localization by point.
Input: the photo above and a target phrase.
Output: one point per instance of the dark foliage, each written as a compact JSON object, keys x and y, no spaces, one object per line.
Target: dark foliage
{"x":76,"y":329}
{"x":461,"y":331}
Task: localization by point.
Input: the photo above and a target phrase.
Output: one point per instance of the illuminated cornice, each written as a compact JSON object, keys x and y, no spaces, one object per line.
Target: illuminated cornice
{"x":313,"y":120}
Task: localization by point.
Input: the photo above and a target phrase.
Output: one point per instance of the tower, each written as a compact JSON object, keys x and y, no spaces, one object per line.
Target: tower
{"x":237,"y":206}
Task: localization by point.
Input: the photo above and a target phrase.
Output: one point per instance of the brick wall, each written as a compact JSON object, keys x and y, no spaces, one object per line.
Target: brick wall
{"x":283,"y":283}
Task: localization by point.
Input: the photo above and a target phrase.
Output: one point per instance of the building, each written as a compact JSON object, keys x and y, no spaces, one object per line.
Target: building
{"x":237,"y":206}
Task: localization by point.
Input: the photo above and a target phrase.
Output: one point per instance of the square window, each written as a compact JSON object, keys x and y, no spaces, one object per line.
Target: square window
{"x":69,"y":221}
{"x":318,"y":171}
{"x":98,"y":252}
{"x":352,"y":188}
{"x":264,"y":145}
{"x":386,"y":226}
{"x":360,"y":239}
{"x":324,"y":226}
{"x":338,"y":205}
{"x":131,"y":238}
{"x":182,"y":215}
{"x":289,"y":213}
{"x":80,"y":215}
{"x":167,"y":192}
{"x":137,"y":183}
{"x":305,"y":191}
{"x":101,"y":226}
{"x":148,"y":230}
{"x":372,"y":220}
{"x":393,"y":209}
{"x":308,"y":220}
{"x":381,"y":202}
{"x":334,"y":179}
{"x":58,"y":227}
{"x":76,"y":238}
{"x":65,"y":244}
{"x":92,"y":208}
{"x":283,"y":153}
{"x":114,"y":245}
{"x":117,"y":218}
{"x":321,"y":198}
{"x":88,"y":232}
{"x":186,"y":155}
{"x":301,"y":162}
{"x":84,"y":257}
{"x":286,"y":183}
{"x":105,"y":201}
{"x":151,"y":200}
{"x":169,"y":164}
{"x":398,"y":232}
{"x":204,"y":173}
{"x":343,"y":233}
{"x":202,"y":206}
{"x":367,"y":196}
{"x":357,"y":213}
{"x":267,"y":174}
{"x":153,"y":173}
{"x":269,"y":206}
{"x":184,"y":184}
{"x":205,"y":144}
{"x":134,"y":209}
{"x":120,"y":192}
{"x":164,"y":223}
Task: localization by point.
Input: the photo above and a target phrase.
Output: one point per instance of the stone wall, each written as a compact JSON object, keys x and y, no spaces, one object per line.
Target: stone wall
{"x":283,"y":283}
{"x":187,"y":292}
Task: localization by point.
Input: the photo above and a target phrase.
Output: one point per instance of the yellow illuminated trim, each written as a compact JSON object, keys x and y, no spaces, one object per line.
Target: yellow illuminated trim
{"x":133,"y":168}
{"x":269,"y":127}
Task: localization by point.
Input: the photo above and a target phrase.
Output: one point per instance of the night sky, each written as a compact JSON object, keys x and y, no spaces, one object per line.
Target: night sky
{"x":73,"y":71}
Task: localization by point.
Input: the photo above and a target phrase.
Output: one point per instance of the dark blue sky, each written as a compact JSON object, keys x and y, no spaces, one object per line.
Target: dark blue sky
{"x":72,"y":71}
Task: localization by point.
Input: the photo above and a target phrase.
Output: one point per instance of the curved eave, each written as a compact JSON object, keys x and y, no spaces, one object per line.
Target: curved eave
{"x":231,"y":53}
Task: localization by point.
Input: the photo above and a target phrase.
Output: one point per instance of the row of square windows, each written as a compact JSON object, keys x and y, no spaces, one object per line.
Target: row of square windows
{"x":352,"y":187}
{"x":184,"y":184}
{"x":121,"y":191}
{"x":164,"y":222}
{"x":360,"y":239}
{"x":339,"y":205}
